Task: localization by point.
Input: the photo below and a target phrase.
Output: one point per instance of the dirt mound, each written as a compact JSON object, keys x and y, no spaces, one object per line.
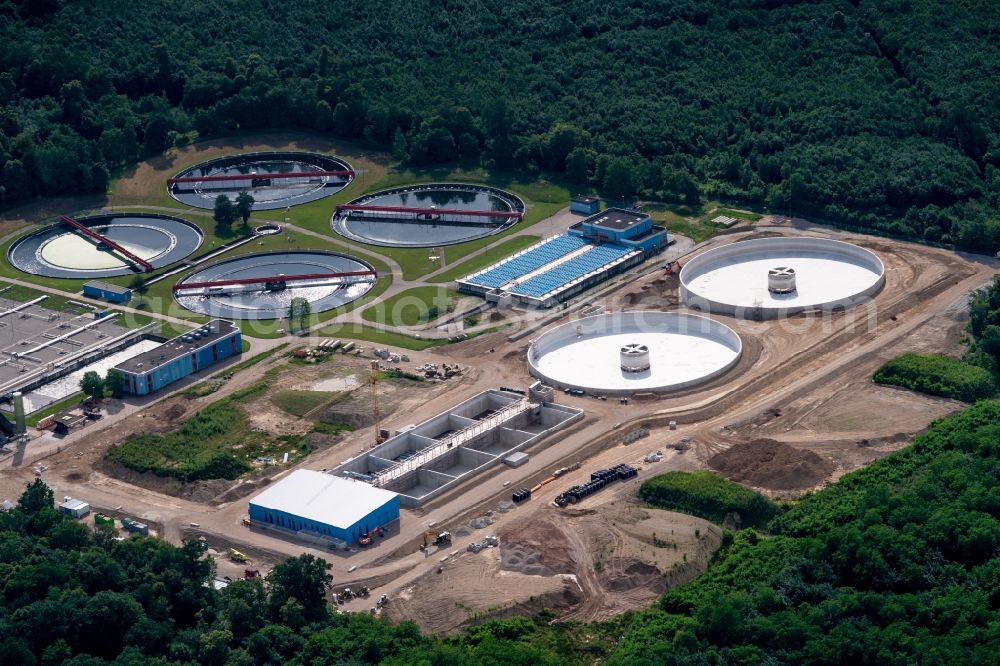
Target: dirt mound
{"x":766,"y":463}
{"x":174,"y":412}
{"x":540,"y":548}
{"x":519,"y":558}
{"x":626,"y":573}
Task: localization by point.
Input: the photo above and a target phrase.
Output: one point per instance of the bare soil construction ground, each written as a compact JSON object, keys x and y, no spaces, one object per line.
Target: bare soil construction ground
{"x":605,"y":556}
{"x":804,"y":384}
{"x":766,"y":463}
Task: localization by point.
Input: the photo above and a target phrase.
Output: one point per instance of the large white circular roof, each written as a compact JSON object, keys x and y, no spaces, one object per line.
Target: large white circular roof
{"x":586,"y":354}
{"x":733,"y":279}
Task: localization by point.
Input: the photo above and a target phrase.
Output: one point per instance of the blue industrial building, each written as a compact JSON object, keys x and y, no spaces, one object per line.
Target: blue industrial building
{"x":107,"y":291}
{"x":620,"y":226}
{"x":322,"y":506}
{"x":558,"y":268}
{"x":184,"y":355}
{"x":585,"y":205}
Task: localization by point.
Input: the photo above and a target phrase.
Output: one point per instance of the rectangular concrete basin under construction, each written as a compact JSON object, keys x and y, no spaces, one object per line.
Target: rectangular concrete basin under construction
{"x":450,"y":448}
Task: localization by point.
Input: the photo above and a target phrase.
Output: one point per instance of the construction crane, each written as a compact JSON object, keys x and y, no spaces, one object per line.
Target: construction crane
{"x":373,"y":378}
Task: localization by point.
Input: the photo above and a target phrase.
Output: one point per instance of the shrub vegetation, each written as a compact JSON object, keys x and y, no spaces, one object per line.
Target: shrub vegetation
{"x":216,"y":443}
{"x":707,"y":495}
{"x":936,"y":374}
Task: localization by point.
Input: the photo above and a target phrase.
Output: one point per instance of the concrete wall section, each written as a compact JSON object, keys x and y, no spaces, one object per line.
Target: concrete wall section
{"x":564,"y":337}
{"x":730,"y":296}
{"x":471,"y":454}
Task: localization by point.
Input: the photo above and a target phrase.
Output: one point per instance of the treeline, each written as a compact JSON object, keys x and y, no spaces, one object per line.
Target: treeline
{"x":898,"y":563}
{"x":851,"y":112}
{"x":73,"y":596}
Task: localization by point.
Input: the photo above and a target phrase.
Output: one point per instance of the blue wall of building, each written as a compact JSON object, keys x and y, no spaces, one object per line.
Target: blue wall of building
{"x":379,"y":517}
{"x":94,"y":292}
{"x":654,"y":240}
{"x":156,"y":378}
{"x":616,"y":234}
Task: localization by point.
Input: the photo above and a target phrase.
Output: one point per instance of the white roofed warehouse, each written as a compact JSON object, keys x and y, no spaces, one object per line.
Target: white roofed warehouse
{"x":317,"y":505}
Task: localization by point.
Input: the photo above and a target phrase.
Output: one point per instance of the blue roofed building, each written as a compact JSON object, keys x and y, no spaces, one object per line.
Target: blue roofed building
{"x":560,"y":267}
{"x":621,"y":226}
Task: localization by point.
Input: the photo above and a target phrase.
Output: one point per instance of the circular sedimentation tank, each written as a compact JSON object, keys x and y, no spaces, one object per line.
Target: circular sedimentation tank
{"x":627,"y":352}
{"x":428,"y":215}
{"x":255,"y":299}
{"x":771,"y":277}
{"x":60,"y":251}
{"x":274,"y":179}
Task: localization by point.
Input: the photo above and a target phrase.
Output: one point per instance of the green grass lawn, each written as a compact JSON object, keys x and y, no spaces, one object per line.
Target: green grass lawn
{"x":23,"y":294}
{"x":495,"y":254}
{"x":32,"y":420}
{"x":300,"y":403}
{"x":684,"y":220}
{"x":411,"y":307}
{"x":698,"y":226}
{"x":738,"y":214}
{"x":374,"y":335}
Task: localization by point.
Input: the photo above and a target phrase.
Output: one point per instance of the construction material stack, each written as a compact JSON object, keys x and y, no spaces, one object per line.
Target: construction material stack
{"x":598,"y":480}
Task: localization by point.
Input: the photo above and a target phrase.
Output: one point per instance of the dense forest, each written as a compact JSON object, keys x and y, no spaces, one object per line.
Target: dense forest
{"x":898,"y":563}
{"x":881,"y":114}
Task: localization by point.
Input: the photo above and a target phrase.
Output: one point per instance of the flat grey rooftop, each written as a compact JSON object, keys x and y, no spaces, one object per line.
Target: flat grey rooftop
{"x":182,"y":345}
{"x":616,"y":219}
{"x":35,"y":329}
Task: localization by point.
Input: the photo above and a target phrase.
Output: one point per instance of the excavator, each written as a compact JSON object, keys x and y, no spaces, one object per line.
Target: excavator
{"x":366,"y":539}
{"x":436,"y":539}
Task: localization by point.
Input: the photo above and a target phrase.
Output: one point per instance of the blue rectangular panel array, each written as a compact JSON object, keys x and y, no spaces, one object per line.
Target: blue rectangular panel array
{"x":531,"y":260}
{"x":571,"y":270}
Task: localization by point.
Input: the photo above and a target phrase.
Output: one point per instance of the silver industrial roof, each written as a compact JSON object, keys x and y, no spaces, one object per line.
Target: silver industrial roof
{"x":323,"y":498}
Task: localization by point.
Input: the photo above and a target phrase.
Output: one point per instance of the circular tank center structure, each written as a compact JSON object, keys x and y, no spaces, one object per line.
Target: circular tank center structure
{"x":428,"y":215}
{"x":621,"y":353}
{"x":771,"y":277}
{"x":275,"y":179}
{"x":635,"y":357}
{"x":65,"y":251}
{"x":781,"y":280}
{"x":262,"y":286}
